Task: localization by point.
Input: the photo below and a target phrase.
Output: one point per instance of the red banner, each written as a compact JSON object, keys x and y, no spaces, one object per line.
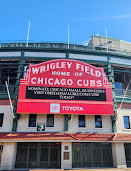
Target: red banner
{"x":65,"y":86}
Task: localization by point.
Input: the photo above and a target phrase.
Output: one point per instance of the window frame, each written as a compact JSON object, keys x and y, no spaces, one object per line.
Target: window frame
{"x":127,"y":122}
{"x":31,"y":120}
{"x":97,"y":121}
{"x":1,"y":119}
{"x":81,"y":123}
{"x":48,"y":120}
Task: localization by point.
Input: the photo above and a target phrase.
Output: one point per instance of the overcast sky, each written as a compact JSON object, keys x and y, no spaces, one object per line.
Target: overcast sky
{"x":49,"y":19}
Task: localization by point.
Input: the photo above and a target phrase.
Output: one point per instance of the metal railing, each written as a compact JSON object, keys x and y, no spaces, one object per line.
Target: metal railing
{"x":46,"y":45}
{"x":32,"y":44}
{"x":121,"y":92}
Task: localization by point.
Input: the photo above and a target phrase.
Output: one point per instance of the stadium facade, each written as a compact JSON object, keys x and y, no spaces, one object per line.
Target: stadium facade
{"x":71,"y":106}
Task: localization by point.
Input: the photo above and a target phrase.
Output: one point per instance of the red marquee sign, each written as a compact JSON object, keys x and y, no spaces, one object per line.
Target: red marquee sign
{"x":65,"y":86}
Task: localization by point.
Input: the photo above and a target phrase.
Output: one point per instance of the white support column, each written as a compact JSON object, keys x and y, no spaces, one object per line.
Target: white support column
{"x":66,"y":164}
{"x":8,"y":156}
{"x":118,"y":153}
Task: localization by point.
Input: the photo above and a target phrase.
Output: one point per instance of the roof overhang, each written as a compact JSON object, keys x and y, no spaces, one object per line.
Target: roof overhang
{"x":64,"y":137}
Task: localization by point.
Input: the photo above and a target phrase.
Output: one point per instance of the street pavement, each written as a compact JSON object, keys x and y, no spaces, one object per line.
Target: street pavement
{"x":101,"y":169}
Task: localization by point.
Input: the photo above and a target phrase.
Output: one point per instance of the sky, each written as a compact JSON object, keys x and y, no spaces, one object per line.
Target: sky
{"x":49,"y":20}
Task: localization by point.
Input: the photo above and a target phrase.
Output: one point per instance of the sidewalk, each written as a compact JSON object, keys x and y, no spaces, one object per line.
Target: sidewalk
{"x":101,"y":169}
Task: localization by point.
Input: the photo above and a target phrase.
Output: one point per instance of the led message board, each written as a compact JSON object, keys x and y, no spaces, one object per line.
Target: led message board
{"x":65,"y":86}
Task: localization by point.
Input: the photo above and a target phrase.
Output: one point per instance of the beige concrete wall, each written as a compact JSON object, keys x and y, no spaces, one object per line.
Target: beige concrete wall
{"x":120,"y":121}
{"x":22,"y":125}
{"x":118,"y":154}
{"x":8,"y":156}
{"x":41,"y":118}
{"x":7,"y":120}
{"x":125,"y":45}
{"x":59,"y":124}
{"x":101,"y":42}
{"x":114,"y":43}
{"x":90,"y":124}
{"x":66,"y":164}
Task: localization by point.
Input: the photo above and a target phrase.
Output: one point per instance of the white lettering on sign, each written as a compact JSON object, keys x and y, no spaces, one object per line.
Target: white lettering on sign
{"x":51,"y":66}
{"x":67,"y":97}
{"x":65,"y":73}
{"x":35,"y":70}
{"x":59,"y":65}
{"x":67,"y":82}
{"x":60,"y":73}
{"x":91,"y":83}
{"x":33,"y":80}
{"x":72,"y":108}
{"x":51,"y":81}
{"x":88,"y":70}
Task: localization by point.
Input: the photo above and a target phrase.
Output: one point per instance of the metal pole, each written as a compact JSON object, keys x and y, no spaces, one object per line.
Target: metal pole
{"x":28,"y":33}
{"x":106,"y":39}
{"x":68,"y":35}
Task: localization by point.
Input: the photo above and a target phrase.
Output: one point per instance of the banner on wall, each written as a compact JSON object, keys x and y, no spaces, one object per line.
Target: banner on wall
{"x":65,"y":86}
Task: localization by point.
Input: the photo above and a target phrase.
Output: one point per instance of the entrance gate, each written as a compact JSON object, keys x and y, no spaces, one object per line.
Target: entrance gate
{"x":91,"y":155}
{"x":38,"y":155}
{"x":128,"y":154}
